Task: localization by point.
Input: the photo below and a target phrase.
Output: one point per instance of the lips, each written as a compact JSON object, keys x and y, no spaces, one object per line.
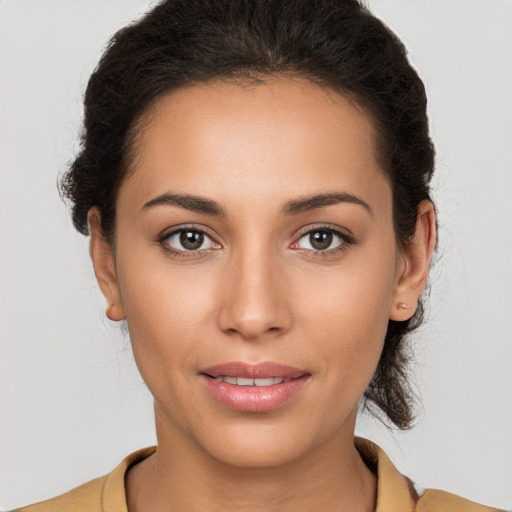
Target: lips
{"x":253,"y":387}
{"x":265,"y":370}
{"x":243,"y":381}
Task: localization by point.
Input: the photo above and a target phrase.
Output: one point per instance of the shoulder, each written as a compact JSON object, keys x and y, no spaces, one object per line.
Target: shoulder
{"x":433,"y":500}
{"x":396,"y":493}
{"x":86,"y":497}
{"x":103,"y":493}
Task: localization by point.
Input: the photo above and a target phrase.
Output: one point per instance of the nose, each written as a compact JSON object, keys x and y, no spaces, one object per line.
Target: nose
{"x":255,"y":303}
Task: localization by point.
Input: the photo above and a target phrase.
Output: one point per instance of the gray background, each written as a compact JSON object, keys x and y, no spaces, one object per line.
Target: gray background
{"x":71,"y":402}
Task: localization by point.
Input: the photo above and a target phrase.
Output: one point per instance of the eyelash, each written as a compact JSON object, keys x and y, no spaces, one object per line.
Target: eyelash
{"x":183,"y":254}
{"x":347,"y":241}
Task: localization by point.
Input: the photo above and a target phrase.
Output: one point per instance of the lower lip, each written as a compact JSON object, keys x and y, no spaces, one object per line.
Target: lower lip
{"x":254,"y":398}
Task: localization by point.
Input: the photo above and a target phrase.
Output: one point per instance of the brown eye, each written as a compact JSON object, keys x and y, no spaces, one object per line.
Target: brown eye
{"x":323,"y":240}
{"x":189,"y":240}
{"x":320,"y":240}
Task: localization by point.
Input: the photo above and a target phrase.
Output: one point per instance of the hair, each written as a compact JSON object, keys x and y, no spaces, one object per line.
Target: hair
{"x":337,"y":44}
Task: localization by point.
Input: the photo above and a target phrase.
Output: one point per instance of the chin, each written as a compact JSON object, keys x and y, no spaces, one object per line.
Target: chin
{"x":269,"y":444}
{"x":257,"y":452}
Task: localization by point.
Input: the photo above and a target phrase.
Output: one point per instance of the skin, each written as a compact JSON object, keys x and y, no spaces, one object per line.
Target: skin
{"x":257,"y":290}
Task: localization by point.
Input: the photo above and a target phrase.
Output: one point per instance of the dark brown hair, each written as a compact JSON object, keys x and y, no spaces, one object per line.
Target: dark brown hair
{"x":335,"y":43}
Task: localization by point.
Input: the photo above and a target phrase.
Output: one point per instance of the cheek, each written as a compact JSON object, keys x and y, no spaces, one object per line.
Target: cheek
{"x":166,"y":309}
{"x":350,"y":335}
{"x":348,"y":318}
{"x":166,"y":314}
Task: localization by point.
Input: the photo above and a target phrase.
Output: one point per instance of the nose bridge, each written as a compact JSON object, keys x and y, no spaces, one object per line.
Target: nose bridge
{"x":254,"y":304}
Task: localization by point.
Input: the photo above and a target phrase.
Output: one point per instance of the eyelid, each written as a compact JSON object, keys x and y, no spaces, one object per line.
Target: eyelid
{"x":183,"y":252}
{"x":346,"y":237}
{"x":343,"y":233}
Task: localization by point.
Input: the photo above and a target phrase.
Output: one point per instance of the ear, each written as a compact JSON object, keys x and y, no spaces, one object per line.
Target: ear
{"x":104,"y":268}
{"x":413,"y":270}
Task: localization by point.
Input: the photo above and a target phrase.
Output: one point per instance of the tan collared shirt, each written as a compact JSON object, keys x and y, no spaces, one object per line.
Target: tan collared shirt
{"x":395,"y":493}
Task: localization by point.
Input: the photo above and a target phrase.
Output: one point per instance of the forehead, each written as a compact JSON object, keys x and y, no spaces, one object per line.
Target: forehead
{"x":267,"y":138}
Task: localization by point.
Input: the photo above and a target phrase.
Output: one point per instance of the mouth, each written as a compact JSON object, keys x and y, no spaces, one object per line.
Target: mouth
{"x":247,"y":374}
{"x":242,"y":381}
{"x":254,"y":387}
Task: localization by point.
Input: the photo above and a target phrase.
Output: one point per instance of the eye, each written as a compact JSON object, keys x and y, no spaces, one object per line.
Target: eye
{"x":323,"y":239}
{"x":188,"y":240}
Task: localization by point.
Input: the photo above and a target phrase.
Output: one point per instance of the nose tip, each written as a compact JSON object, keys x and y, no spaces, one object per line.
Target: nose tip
{"x":253,"y":304}
{"x":252,"y":326}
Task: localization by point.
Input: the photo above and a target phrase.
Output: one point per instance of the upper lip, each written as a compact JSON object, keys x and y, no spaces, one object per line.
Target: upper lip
{"x":263,"y":370}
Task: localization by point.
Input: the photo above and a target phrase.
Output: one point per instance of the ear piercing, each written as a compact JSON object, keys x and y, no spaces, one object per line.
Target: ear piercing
{"x":403,"y":305}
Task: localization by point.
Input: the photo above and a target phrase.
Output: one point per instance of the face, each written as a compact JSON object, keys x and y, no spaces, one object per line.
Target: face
{"x":255,"y":232}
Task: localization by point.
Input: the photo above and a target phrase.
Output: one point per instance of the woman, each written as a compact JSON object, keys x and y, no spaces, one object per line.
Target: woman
{"x":255,"y":182}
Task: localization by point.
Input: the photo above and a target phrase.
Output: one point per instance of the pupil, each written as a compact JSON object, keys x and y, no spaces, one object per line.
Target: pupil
{"x":191,"y":240}
{"x":321,"y":239}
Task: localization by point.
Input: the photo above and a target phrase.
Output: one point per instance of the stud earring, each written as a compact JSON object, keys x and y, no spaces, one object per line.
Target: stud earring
{"x":403,"y":305}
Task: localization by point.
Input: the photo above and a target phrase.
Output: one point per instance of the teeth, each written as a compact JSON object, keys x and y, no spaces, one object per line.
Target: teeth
{"x":264,"y":382}
{"x":242,"y":381}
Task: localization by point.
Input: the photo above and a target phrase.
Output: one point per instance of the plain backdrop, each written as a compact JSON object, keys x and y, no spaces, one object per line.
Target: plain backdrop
{"x":71,"y":402}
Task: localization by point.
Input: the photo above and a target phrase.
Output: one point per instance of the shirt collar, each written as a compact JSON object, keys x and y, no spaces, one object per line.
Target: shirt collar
{"x":394,"y":491}
{"x":114,"y":492}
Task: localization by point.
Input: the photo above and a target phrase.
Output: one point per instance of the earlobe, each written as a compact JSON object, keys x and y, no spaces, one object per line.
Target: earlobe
{"x":104,"y":268}
{"x":416,"y":261}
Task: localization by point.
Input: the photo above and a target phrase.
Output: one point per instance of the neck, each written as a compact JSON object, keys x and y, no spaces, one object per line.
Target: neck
{"x":180,"y":476}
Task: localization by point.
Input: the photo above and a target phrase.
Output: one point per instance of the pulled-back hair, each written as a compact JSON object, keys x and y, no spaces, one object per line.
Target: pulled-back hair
{"x":335,"y":43}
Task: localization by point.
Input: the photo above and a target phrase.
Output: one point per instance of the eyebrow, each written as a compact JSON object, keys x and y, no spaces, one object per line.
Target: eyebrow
{"x":189,"y":202}
{"x":306,"y":203}
{"x":294,"y":207}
